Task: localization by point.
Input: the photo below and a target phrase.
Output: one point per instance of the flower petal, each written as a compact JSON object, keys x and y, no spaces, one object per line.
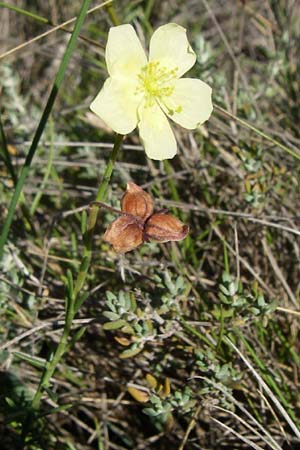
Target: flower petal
{"x":137,"y":202}
{"x":124,"y":53}
{"x":125,"y":234}
{"x":164,"y":227}
{"x":169,"y":46}
{"x":117,"y":104}
{"x":190,"y":103}
{"x":156,"y":133}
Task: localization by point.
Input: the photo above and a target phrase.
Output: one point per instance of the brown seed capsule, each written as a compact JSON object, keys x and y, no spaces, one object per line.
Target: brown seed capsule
{"x":125,"y":234}
{"x":163,"y":227}
{"x":137,"y":202}
{"x":138,"y":223}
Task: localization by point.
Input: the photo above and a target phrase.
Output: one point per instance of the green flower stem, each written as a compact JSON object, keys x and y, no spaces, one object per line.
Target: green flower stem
{"x":51,"y":365}
{"x":100,"y":197}
{"x":74,"y":301}
{"x":43,"y":122}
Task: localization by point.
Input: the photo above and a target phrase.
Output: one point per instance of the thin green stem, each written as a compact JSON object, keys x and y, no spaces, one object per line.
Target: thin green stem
{"x":225,"y":253}
{"x":44,"y":119}
{"x":259,"y":132}
{"x":148,"y":9}
{"x":100,"y":197}
{"x":25,"y":12}
{"x":196,"y":333}
{"x":51,"y":366}
{"x":75,"y":300}
{"x":112,"y":14}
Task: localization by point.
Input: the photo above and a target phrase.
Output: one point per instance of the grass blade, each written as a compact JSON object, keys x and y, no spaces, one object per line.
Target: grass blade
{"x":258,"y":132}
{"x":44,"y":119}
{"x":264,"y":385}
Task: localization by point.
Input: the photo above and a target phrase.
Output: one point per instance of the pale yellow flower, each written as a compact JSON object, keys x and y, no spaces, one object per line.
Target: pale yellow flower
{"x":146,"y":92}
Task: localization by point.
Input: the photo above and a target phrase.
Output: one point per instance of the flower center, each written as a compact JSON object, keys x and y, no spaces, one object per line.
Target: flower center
{"x":156,"y":82}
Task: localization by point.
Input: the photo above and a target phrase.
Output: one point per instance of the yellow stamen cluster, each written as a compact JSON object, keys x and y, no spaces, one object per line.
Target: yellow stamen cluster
{"x":156,"y":82}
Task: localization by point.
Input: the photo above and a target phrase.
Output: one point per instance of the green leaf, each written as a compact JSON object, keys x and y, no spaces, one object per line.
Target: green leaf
{"x":32,"y":360}
{"x":138,"y":328}
{"x":147,"y":327}
{"x":129,"y":353}
{"x":53,"y":396}
{"x":179,"y":283}
{"x":261,"y":301}
{"x":10,"y":402}
{"x":115,"y":325}
{"x":111,"y":305}
{"x":127,"y":302}
{"x":77,"y":335}
{"x":150,"y":412}
{"x":226,"y":278}
{"x":133,"y":302}
{"x":110,"y":296}
{"x":80,"y":300}
{"x":111,"y":315}
{"x":224,"y":290}
{"x":56,"y":410}
{"x":83,"y":222}
{"x":218,"y":313}
{"x":70,"y":284}
{"x":122,"y":299}
{"x":128,"y":329}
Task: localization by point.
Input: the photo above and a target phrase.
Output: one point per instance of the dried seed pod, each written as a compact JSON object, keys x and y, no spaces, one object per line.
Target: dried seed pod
{"x":125,"y":234}
{"x":164,"y":227}
{"x":137,"y":202}
{"x":138,"y":223}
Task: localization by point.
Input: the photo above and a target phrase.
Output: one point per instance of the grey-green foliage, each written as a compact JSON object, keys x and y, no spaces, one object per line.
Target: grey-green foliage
{"x":241,"y":301}
{"x":13,"y":272}
{"x":124,"y":314}
{"x":14,"y":103}
{"x":214,"y":372}
{"x":255,"y":181}
{"x":209,"y":364}
{"x":252,"y":163}
{"x":254,"y":198}
{"x":145,"y":322}
{"x":181,"y":401}
{"x":175,"y":289}
{"x":205,"y":67}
